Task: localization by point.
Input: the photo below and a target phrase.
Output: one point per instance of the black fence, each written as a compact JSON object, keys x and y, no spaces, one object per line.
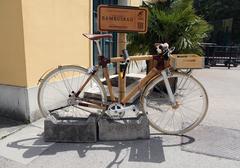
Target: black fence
{"x":222,"y":55}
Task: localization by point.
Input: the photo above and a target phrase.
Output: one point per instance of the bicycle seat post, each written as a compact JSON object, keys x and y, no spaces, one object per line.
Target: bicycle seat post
{"x":103,"y":62}
{"x":98,"y":47}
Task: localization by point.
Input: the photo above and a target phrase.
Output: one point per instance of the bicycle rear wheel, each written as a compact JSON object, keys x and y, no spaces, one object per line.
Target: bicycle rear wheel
{"x":191,"y":108}
{"x":56,"y":90}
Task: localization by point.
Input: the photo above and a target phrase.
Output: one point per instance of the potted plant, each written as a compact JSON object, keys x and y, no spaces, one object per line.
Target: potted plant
{"x":171,"y":21}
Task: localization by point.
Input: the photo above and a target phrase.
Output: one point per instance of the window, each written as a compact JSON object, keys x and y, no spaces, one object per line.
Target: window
{"x":109,"y":47}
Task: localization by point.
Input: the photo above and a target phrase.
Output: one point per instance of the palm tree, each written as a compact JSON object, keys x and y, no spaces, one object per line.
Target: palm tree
{"x":171,"y":21}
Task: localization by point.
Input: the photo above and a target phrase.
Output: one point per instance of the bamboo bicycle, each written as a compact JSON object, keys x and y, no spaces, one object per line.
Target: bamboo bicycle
{"x":174,"y":102}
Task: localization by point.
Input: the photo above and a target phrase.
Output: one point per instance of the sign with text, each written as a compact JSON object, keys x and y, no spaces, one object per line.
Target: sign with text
{"x":122,"y":19}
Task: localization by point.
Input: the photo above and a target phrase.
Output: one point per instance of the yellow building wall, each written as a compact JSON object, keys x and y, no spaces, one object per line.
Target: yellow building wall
{"x":12,"y":59}
{"x":36,"y":35}
{"x":53,"y":35}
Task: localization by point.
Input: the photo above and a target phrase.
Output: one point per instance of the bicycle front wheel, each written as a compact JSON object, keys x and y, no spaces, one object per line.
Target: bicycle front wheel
{"x":190,"y":109}
{"x":55,"y":94}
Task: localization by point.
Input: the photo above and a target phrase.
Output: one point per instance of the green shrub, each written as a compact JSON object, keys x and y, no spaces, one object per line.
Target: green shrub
{"x":174,"y":22}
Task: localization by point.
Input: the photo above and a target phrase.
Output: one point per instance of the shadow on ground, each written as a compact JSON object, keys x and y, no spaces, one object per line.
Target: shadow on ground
{"x":9,"y":126}
{"x":150,"y":150}
{"x":7,"y":122}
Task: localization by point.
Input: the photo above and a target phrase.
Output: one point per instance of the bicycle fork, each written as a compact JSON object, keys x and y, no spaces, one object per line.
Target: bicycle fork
{"x":165,"y":73}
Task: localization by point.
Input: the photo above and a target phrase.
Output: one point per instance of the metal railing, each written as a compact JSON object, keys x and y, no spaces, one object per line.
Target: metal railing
{"x":222,"y":55}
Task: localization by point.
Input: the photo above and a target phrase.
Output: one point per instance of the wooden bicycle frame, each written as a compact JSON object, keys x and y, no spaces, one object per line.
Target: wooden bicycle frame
{"x":103,"y":62}
{"x":142,"y":83}
{"x":123,"y":99}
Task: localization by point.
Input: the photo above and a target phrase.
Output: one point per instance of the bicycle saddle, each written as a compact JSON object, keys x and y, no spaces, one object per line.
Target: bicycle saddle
{"x":97,"y":36}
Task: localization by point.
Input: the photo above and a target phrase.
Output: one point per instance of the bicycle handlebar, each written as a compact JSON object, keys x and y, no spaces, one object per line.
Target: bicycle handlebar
{"x":126,"y":56}
{"x":163,"y":48}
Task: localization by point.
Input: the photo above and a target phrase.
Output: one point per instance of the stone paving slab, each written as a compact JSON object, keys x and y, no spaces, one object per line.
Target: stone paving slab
{"x":25,"y":145}
{"x":215,"y":141}
{"x":38,"y":123}
{"x":9,"y":126}
{"x":223,"y":89}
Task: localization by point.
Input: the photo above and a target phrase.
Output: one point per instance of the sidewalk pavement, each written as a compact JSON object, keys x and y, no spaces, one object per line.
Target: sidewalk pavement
{"x":26,"y":148}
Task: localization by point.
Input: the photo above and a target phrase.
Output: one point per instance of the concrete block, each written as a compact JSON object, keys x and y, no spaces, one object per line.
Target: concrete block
{"x":19,"y":103}
{"x":124,"y":129}
{"x":69,"y":130}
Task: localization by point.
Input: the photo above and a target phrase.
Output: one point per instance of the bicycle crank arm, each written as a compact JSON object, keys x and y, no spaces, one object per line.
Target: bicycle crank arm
{"x":116,"y":110}
{"x":128,"y":108}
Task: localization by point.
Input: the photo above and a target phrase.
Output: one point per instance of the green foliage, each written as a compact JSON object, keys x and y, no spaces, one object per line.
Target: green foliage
{"x":174,"y":22}
{"x":213,"y":10}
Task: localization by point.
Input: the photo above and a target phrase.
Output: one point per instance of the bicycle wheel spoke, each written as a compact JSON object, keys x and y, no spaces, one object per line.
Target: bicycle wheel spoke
{"x":182,"y":81}
{"x":178,"y":85}
{"x":167,"y":121}
{"x":191,"y":104}
{"x":181,"y":117}
{"x":185,"y":116}
{"x":155,"y":112}
{"x":153,"y":106}
{"x":165,"y":114}
{"x":59,"y":91}
{"x":191,"y":100}
{"x":65,"y":82}
{"x":173,"y":121}
{"x":189,"y":108}
{"x":154,"y":98}
{"x":160,"y":117}
{"x":72,"y":78}
{"x":194,"y":91}
{"x":190,"y":89}
{"x":54,"y":91}
{"x":58,"y":81}
{"x":192,"y":118}
{"x":187,"y":77}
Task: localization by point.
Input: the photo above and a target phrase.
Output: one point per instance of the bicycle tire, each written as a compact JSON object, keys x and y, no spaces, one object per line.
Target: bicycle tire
{"x":162,"y":101}
{"x":62,"y":81}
